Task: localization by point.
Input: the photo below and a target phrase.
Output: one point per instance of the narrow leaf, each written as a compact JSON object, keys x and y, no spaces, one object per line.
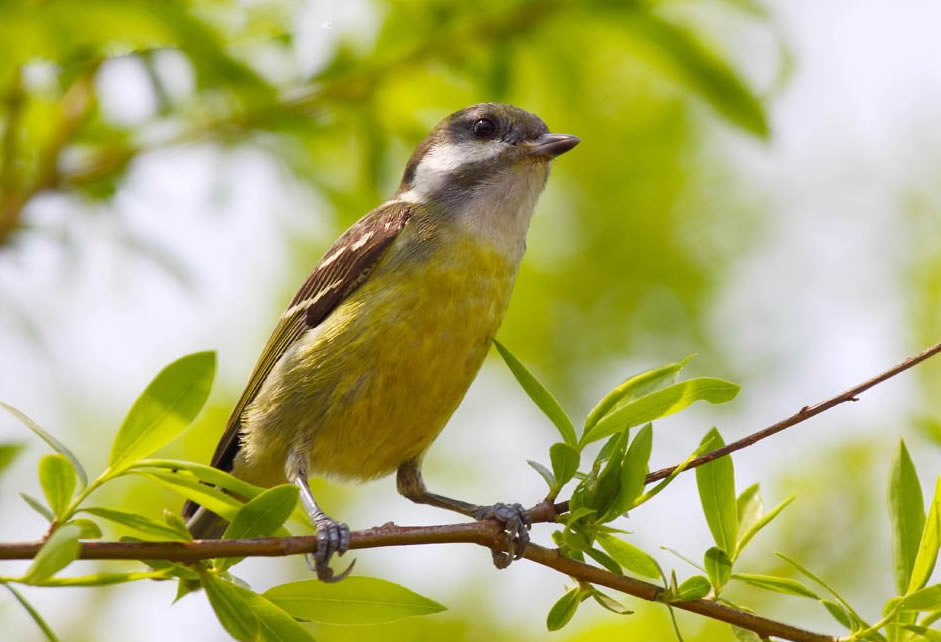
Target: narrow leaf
{"x":634,"y":387}
{"x":692,"y":588}
{"x":33,"y":613}
{"x":839,"y":613}
{"x":716,"y":484}
{"x":213,"y":499}
{"x":661,"y":403}
{"x":37,"y":506}
{"x":135,"y":522}
{"x":784,"y":585}
{"x":815,"y":578}
{"x":57,"y":480}
{"x":750,"y":508}
{"x":906,"y":514}
{"x":679,"y":52}
{"x":609,"y":603}
{"x":563,"y":610}
{"x":105,"y":579}
{"x":565,"y":459}
{"x":634,"y":470}
{"x":54,"y":443}
{"x":355,"y":600}
{"x":718,"y":567}
{"x":763,"y":521}
{"x":8,"y":453}
{"x":629,"y":556}
{"x":926,"y":599}
{"x":265,"y":514}
{"x":543,"y":399}
{"x":231,"y":608}
{"x":60,"y":550}
{"x":604,"y":559}
{"x":744,"y":635}
{"x":87,"y":528}
{"x":928,"y":547}
{"x":650,"y":494}
{"x":166,"y":407}
{"x":275,"y":624}
{"x":932,"y":635}
{"x":544,"y":472}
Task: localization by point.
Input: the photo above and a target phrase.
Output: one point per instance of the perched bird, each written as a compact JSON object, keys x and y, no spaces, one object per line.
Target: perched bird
{"x":378,"y":347}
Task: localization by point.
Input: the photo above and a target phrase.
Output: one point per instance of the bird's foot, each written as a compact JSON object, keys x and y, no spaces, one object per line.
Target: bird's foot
{"x":332,"y":537}
{"x":515,"y":522}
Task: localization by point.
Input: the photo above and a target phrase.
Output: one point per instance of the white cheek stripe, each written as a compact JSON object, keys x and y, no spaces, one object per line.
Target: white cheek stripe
{"x":441,"y":161}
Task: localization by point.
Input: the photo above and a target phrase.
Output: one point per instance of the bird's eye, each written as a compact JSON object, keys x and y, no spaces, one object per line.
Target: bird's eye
{"x":484,"y":128}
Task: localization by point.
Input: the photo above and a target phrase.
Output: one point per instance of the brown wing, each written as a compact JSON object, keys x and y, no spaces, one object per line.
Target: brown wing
{"x":343,"y":268}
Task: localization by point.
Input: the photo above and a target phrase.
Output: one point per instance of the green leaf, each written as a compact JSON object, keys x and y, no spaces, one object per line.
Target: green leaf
{"x":750,"y":509}
{"x":718,"y":567}
{"x":232,"y":609}
{"x":105,"y":579}
{"x":716,"y":483}
{"x":57,"y":480}
{"x":763,"y":521}
{"x":563,"y":610}
{"x":906,"y":514}
{"x":629,"y":556}
{"x":87,"y":528}
{"x":565,"y":459}
{"x":176,"y":523}
{"x":661,"y":403}
{"x":265,"y":514}
{"x":609,"y":603}
{"x":8,"y":453}
{"x":135,"y":522}
{"x":166,"y":407}
{"x":634,"y":387}
{"x":926,"y":599}
{"x":54,"y":443}
{"x":33,"y":613}
{"x":928,"y":547}
{"x":37,"y":506}
{"x":933,"y":635}
{"x":634,"y":470}
{"x":543,"y":399}
{"x":692,"y":588}
{"x":815,"y":578}
{"x":355,"y":600}
{"x":60,"y":550}
{"x":213,"y":499}
{"x":275,"y":624}
{"x":677,"y":51}
{"x":744,"y":635}
{"x":784,"y":585}
{"x":544,"y":472}
{"x":604,"y":559}
{"x":839,"y":613}
{"x":650,"y":494}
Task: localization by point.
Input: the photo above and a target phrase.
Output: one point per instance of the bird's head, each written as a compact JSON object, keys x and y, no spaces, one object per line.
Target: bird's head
{"x":480,"y":153}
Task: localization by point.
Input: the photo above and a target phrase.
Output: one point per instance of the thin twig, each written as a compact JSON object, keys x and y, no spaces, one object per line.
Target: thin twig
{"x":485,"y":533}
{"x":801,"y":415}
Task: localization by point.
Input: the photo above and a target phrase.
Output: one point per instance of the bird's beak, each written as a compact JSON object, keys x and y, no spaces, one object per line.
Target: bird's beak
{"x":551,"y":145}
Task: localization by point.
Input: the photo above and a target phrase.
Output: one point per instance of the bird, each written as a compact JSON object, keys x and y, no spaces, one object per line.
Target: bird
{"x":382,"y":340}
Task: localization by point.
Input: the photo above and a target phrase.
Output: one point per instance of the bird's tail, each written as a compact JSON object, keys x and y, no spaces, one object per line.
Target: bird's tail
{"x":204,"y":524}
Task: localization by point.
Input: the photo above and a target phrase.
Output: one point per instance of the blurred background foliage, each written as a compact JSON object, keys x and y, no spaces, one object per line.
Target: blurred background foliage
{"x":169,"y":171}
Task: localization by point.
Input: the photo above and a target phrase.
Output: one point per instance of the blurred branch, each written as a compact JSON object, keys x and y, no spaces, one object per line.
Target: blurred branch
{"x":356,"y":85}
{"x":485,"y":533}
{"x":74,"y":107}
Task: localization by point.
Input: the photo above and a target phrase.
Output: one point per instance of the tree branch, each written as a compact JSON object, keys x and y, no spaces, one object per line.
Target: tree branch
{"x":801,"y":415}
{"x":485,"y":533}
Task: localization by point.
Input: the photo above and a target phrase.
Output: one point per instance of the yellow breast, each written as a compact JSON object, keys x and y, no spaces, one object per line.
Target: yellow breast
{"x":375,"y":383}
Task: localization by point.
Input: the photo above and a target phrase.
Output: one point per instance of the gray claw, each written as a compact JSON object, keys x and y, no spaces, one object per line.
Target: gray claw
{"x":332,"y":537}
{"x":516,"y":523}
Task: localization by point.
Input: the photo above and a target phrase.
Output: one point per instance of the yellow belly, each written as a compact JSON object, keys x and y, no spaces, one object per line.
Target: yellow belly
{"x":375,"y":383}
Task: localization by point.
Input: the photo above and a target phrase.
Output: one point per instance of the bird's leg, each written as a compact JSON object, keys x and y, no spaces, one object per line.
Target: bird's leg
{"x":513,"y":518}
{"x":332,"y":536}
